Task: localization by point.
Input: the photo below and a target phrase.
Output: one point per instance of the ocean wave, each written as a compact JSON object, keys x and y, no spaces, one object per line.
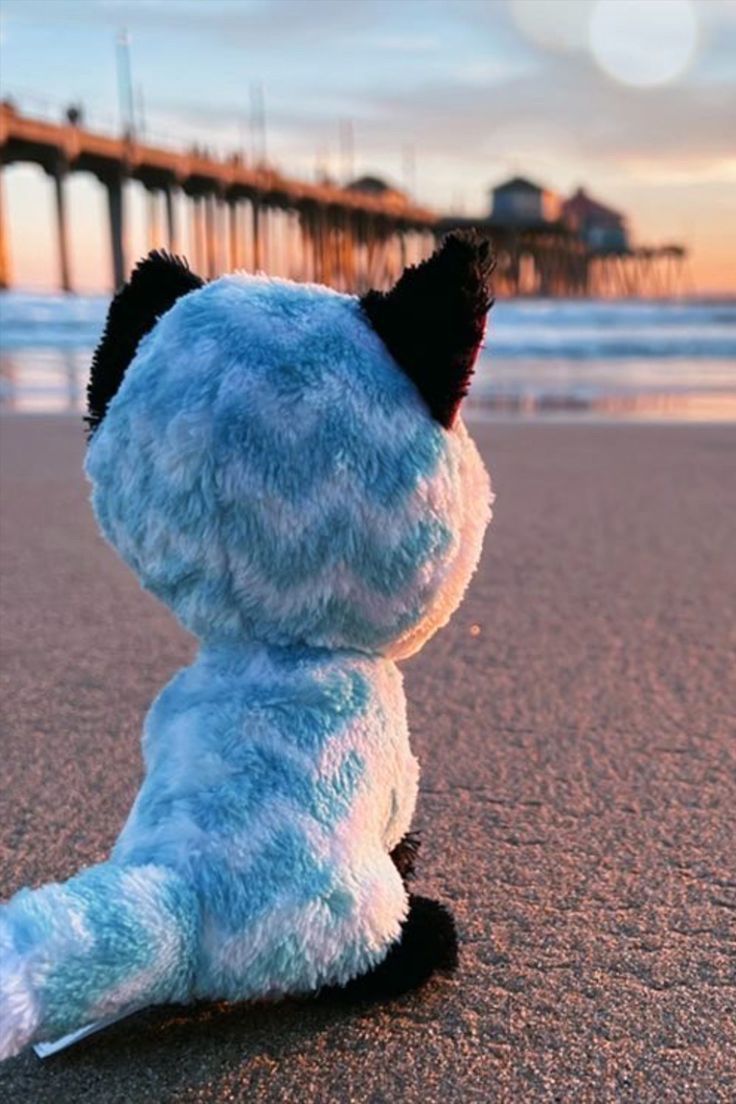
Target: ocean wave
{"x":574,"y":329}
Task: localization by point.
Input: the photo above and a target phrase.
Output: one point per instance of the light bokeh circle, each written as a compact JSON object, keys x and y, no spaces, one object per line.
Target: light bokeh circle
{"x":643,"y":42}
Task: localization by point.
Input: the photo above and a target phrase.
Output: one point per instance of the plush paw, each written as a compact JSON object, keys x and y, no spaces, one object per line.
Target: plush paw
{"x":430,"y":930}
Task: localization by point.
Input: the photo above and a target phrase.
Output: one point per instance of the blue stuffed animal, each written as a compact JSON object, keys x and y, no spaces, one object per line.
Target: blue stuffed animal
{"x":285,"y":468}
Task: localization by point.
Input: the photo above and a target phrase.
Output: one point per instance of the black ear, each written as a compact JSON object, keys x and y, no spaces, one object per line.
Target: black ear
{"x":433,"y":320}
{"x":155,"y":285}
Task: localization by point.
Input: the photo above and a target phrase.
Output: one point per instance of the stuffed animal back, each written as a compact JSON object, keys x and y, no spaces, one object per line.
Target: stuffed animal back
{"x":285,"y":467}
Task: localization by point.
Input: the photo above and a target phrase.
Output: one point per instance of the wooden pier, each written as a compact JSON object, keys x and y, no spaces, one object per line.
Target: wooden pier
{"x":241,"y":215}
{"x":254,"y":217}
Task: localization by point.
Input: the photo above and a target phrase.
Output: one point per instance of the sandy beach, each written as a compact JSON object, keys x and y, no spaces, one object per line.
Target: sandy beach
{"x":575,"y":726}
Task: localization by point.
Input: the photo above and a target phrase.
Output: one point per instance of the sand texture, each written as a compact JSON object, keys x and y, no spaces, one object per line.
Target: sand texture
{"x":575,"y":725}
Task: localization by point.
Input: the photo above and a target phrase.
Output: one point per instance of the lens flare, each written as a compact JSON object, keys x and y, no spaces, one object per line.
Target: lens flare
{"x":643,"y":42}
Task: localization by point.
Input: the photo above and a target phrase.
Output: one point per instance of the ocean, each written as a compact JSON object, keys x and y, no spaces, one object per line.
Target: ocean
{"x":543,"y":359}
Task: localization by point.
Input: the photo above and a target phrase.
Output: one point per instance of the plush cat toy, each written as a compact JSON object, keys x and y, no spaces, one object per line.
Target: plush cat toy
{"x":285,"y":468}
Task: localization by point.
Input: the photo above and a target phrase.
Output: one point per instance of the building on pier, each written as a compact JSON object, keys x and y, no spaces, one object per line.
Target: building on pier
{"x":547,"y":246}
{"x":602,"y":228}
{"x":520,"y":202}
{"x":376,"y":186}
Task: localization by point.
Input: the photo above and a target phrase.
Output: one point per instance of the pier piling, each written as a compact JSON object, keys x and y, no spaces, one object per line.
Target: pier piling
{"x":4,"y":256}
{"x":171,"y":221}
{"x":62,"y":229}
{"x":114,"y":186}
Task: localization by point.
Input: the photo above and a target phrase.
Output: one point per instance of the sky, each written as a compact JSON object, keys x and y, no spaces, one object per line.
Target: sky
{"x":634,"y":99}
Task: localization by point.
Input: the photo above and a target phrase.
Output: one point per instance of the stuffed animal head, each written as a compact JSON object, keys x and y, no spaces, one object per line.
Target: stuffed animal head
{"x":281,"y":463}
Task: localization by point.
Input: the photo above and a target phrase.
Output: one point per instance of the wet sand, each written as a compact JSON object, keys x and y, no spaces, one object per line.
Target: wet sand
{"x":575,"y":725}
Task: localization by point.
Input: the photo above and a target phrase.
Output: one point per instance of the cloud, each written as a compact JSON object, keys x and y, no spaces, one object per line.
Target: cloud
{"x":680,"y":171}
{"x":606,"y":119}
{"x":406,"y":43}
{"x":252,"y":22}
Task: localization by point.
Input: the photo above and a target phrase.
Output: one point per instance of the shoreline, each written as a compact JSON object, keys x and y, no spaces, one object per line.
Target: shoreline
{"x":719,"y":413}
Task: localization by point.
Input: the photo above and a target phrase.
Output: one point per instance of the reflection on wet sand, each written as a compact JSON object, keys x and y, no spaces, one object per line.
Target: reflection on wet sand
{"x":53,"y":381}
{"x":690,"y":406}
{"x":43,"y":381}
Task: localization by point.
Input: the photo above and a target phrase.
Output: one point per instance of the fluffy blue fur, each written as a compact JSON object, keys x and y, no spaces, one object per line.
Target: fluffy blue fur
{"x":250,"y":405}
{"x":269,"y":473}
